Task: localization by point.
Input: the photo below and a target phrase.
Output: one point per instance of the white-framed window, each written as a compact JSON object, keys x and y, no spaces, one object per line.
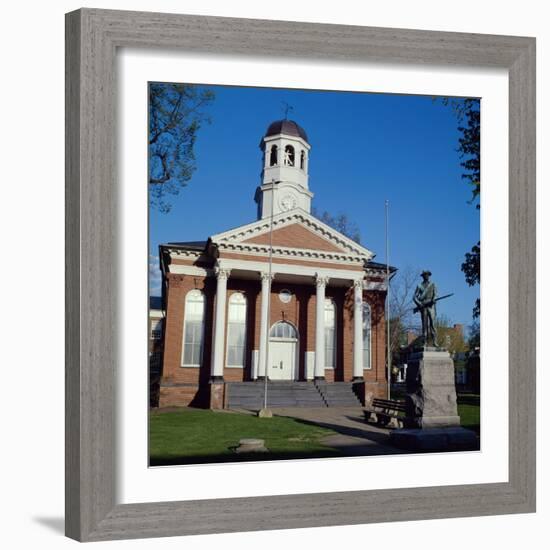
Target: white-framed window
{"x":366,"y":336}
{"x":330,"y":334}
{"x":156,"y":329}
{"x":283,"y":329}
{"x":236,"y":330}
{"x":193,"y":329}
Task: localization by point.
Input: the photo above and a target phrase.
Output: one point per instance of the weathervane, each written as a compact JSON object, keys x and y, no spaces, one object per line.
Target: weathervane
{"x":287,"y":108}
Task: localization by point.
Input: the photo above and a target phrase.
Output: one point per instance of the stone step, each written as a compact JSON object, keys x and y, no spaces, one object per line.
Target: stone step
{"x":250,"y":395}
{"x":339,"y":394}
{"x":279,"y":394}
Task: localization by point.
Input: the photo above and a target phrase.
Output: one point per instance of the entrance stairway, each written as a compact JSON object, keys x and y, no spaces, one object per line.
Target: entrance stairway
{"x":338,"y":394}
{"x":250,"y":395}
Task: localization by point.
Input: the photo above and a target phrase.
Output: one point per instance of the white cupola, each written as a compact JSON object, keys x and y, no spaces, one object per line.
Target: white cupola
{"x":285,"y":169}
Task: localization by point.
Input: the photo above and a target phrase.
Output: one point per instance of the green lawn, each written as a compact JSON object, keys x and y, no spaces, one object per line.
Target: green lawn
{"x":191,"y":436}
{"x":195,"y":436}
{"x":468,"y":410}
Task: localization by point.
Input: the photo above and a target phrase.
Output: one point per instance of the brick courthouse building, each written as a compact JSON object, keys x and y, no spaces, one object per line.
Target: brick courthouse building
{"x":320,"y":311}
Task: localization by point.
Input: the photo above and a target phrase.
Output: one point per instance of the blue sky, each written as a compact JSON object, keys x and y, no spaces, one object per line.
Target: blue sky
{"x":366,"y":148}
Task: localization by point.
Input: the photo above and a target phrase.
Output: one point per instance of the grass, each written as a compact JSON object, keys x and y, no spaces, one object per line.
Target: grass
{"x":197,"y":436}
{"x":468,"y":410}
{"x":194,"y":436}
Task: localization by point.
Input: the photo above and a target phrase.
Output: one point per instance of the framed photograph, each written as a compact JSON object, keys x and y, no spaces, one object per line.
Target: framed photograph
{"x":295,"y":334}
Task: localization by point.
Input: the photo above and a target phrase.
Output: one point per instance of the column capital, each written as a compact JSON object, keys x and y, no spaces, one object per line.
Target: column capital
{"x":358,"y":284}
{"x":321,"y":280}
{"x":222,"y":272}
{"x":266,"y":276}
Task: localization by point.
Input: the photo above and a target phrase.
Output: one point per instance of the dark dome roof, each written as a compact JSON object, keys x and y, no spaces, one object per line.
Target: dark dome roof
{"x":288,"y":127}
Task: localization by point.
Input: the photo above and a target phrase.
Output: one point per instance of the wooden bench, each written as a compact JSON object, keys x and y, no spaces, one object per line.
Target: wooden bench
{"x":389,"y":413}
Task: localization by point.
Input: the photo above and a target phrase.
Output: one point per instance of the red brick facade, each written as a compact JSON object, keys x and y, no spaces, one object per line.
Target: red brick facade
{"x":308,"y":258}
{"x":191,"y":386}
{"x":292,"y":234}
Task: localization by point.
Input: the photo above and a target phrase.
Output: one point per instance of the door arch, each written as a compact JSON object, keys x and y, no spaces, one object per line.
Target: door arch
{"x":283,"y":351}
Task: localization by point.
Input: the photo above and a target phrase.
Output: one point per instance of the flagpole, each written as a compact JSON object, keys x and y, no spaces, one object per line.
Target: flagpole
{"x":388,"y":341}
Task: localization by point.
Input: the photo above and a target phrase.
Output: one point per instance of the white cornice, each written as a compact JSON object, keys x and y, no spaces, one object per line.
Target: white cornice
{"x":291,"y":253}
{"x":374,"y":285}
{"x":282,"y":269}
{"x":178,"y":252}
{"x":287,"y":269}
{"x":286,"y":185}
{"x":180,"y":269}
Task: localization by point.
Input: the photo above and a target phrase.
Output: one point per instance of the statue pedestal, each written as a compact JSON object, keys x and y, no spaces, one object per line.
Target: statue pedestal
{"x":431,"y":392}
{"x":432,"y":414}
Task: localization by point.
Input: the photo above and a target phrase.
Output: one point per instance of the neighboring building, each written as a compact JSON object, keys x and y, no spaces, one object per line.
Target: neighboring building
{"x":156,"y":344}
{"x":449,"y":337}
{"x":156,"y":336}
{"x":321,"y":312}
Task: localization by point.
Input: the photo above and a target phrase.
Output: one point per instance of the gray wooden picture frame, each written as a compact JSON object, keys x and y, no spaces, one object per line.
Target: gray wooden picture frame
{"x":92,"y":39}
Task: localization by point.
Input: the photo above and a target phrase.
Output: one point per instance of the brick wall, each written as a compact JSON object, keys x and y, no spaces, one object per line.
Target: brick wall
{"x":180,"y":385}
{"x":296,"y":233}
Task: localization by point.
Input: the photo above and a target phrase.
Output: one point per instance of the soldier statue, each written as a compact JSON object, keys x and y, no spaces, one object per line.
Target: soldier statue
{"x":425,"y":297}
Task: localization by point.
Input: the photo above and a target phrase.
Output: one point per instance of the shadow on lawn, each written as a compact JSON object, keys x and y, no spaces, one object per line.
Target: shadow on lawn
{"x":468,"y":399}
{"x":381,"y":438}
{"x":249,"y":457}
{"x":377,"y":437}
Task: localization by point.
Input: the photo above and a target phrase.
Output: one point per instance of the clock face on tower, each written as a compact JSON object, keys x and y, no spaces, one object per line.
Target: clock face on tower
{"x":287,"y":202}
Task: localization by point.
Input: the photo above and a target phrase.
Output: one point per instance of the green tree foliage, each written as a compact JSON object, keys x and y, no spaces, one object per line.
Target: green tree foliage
{"x":471,"y":269}
{"x":341,"y":223}
{"x":469,"y":118}
{"x":474,"y":338}
{"x":176,"y":112}
{"x":468,"y":114}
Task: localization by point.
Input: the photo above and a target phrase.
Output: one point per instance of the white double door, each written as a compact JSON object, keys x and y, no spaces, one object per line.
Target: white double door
{"x":282,"y":360}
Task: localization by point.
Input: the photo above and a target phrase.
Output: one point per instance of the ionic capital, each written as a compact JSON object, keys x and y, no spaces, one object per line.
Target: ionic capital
{"x":321,"y":281}
{"x":266,"y":276}
{"x":222,"y":273}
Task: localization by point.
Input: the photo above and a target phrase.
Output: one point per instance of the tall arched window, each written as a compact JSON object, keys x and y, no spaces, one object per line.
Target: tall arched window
{"x":273,"y":156}
{"x":366,"y":336}
{"x":303,"y":160}
{"x":236,"y":330}
{"x":193,"y":329}
{"x":289,"y":155}
{"x":330,"y":334}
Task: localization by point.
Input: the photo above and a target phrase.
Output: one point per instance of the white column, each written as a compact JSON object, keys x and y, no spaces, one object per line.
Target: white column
{"x":321,"y":282}
{"x":219,"y":324}
{"x":264,"y":323}
{"x":358,"y":330}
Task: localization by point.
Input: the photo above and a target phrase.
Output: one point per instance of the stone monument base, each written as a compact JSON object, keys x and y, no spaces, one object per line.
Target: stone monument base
{"x":431,"y":393}
{"x":435,"y":439}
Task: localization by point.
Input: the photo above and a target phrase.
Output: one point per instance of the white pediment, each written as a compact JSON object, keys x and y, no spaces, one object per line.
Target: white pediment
{"x":337,"y":244}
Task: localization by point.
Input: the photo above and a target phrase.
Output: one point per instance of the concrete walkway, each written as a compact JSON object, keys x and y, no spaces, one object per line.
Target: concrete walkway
{"x":354,"y":436}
